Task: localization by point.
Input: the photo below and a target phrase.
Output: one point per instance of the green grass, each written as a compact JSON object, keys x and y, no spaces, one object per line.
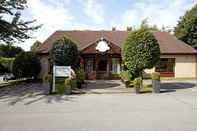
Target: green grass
{"x":60,"y":89}
{"x":60,"y":85}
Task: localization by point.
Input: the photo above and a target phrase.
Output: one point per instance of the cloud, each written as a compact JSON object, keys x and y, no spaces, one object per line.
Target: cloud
{"x":93,"y":9}
{"x":53,"y":15}
{"x":165,"y":12}
{"x":60,"y":15}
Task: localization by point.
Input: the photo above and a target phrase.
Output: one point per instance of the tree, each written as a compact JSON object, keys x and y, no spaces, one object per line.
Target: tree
{"x":35,"y":46}
{"x":65,"y":53}
{"x":186,"y":29}
{"x":12,"y":27}
{"x":9,"y":50}
{"x":141,"y":51}
{"x":26,"y":64}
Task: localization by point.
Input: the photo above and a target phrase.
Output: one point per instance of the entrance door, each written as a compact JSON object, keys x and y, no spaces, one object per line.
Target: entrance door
{"x":102,"y":68}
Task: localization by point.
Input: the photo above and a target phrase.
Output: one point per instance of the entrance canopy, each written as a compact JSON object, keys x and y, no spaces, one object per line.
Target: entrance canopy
{"x":102,"y":60}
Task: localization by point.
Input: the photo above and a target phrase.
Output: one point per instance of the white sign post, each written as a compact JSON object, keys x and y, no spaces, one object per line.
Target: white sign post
{"x":60,"y":71}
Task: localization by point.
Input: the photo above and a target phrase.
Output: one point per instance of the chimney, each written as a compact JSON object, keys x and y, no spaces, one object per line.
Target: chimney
{"x":129,"y":28}
{"x":113,"y":28}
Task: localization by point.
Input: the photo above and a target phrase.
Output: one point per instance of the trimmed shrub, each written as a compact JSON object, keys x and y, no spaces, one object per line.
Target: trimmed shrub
{"x":26,"y":64}
{"x":65,"y":53}
{"x":141,"y":51}
{"x":126,"y":75}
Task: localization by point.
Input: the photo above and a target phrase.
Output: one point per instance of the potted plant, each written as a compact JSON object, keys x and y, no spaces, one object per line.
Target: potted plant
{"x":126,"y":77}
{"x":137,"y":83}
{"x":80,"y":76}
{"x":155,"y":82}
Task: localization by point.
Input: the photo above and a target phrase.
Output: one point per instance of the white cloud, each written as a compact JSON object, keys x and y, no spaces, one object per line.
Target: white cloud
{"x":52,"y":15}
{"x":55,"y":15}
{"x":93,"y":9}
{"x":159,"y":13}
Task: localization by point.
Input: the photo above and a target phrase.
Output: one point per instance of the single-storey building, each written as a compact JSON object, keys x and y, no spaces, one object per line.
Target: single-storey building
{"x":101,"y":53}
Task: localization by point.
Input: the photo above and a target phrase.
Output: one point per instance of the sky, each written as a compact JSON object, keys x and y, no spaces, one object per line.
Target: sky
{"x":100,"y":15}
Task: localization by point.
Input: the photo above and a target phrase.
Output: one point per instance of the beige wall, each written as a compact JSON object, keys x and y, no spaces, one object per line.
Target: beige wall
{"x":44,"y":65}
{"x":185,"y":65}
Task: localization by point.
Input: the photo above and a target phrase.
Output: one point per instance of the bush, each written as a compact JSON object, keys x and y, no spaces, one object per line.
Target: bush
{"x":65,"y":53}
{"x":60,"y":89}
{"x":80,"y":73}
{"x":155,"y":76}
{"x":137,"y":81}
{"x":26,"y":64}
{"x":6,"y":65}
{"x":141,"y":51}
{"x":126,"y":75}
{"x":73,"y":84}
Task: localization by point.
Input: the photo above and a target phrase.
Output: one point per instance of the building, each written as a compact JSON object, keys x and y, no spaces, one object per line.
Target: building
{"x":101,"y":53}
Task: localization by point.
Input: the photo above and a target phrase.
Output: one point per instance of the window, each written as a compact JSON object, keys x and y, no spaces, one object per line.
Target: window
{"x":90,"y":64}
{"x":166,"y":65}
{"x":115,"y":66}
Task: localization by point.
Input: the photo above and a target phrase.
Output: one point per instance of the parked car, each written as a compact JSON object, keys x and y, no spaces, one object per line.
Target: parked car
{"x":6,"y":77}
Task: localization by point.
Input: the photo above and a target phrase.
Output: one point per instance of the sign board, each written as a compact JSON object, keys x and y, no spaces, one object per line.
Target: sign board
{"x":62,"y":71}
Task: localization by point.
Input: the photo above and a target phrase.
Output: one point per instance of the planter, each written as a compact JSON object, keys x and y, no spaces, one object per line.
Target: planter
{"x":68,"y":90}
{"x":127,"y":83}
{"x":137,"y":88}
{"x":156,"y":86}
{"x":79,"y":83}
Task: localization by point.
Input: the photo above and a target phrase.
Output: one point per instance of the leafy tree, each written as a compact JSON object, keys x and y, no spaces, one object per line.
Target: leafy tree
{"x":6,"y":65}
{"x":35,"y":46}
{"x":186,"y":29}
{"x":9,"y":50}
{"x":12,"y":27}
{"x":65,"y":53}
{"x":26,"y":64}
{"x":141,"y":51}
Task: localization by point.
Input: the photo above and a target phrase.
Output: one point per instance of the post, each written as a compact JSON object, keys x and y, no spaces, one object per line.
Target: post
{"x":53,"y":88}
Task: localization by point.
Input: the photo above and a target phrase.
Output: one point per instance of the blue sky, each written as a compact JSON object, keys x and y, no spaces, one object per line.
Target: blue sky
{"x":101,"y":14}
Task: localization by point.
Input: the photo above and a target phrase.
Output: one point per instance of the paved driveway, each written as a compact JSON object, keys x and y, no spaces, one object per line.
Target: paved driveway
{"x":32,"y":110}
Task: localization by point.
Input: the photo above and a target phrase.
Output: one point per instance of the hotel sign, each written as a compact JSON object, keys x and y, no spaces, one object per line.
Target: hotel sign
{"x":62,"y":71}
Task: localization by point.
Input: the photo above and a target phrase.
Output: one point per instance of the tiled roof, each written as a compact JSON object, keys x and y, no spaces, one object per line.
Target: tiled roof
{"x":169,"y":44}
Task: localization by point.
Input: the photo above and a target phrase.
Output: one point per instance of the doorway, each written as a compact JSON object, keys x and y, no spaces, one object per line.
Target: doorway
{"x":102,"y":71}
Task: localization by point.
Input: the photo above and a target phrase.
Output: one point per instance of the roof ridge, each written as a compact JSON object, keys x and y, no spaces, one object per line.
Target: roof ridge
{"x":91,"y":30}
